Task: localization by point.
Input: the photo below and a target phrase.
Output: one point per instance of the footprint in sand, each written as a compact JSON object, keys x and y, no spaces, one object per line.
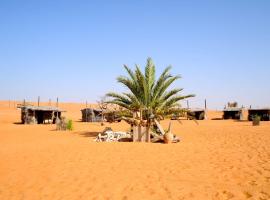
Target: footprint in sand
{"x":267,"y":179}
{"x":224,"y":195}
{"x":247,"y":195}
{"x":264,"y":196}
{"x":253,"y":183}
{"x":125,"y":198}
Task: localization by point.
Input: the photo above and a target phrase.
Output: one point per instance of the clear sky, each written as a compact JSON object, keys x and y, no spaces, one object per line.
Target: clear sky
{"x":76,"y":49}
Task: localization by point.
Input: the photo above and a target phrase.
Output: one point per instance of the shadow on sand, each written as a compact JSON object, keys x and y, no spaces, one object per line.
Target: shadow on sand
{"x":217,"y":118}
{"x":88,"y":134}
{"x":18,"y":123}
{"x":241,"y":120}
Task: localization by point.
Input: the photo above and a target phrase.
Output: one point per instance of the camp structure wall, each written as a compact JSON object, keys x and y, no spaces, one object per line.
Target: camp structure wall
{"x":199,"y":115}
{"x":264,"y":114}
{"x":233,"y":113}
{"x":28,"y":116}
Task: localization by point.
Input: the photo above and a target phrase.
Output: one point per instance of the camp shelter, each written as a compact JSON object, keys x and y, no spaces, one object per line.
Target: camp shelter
{"x":91,"y":115}
{"x":263,"y":113}
{"x":233,"y":113}
{"x":39,"y":114}
{"x":196,"y":113}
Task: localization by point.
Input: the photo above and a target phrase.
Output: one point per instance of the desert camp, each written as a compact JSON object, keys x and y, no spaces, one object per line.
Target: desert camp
{"x":134,"y":100}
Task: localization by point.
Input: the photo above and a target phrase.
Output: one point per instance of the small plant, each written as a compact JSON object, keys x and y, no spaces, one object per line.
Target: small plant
{"x":256,"y":120}
{"x":70,"y":126}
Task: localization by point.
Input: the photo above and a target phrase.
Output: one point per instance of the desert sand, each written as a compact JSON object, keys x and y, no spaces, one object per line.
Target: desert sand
{"x":215,"y":160}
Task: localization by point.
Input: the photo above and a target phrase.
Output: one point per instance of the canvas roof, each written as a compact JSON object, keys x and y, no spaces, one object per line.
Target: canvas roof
{"x":41,"y":108}
{"x":196,"y":109}
{"x":90,"y":109}
{"x":259,"y":109}
{"x":232,"y":109}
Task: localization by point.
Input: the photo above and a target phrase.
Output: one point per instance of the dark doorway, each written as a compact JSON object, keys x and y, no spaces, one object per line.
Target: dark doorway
{"x":40,"y":117}
{"x":231,"y":115}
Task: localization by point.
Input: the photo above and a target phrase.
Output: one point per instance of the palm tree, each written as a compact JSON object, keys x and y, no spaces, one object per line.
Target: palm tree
{"x":148,"y":96}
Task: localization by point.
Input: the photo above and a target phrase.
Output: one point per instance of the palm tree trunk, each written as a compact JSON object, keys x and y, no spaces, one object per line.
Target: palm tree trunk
{"x":148,"y":134}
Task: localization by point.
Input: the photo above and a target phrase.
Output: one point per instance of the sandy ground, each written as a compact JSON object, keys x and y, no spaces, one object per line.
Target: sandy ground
{"x":214,"y":160}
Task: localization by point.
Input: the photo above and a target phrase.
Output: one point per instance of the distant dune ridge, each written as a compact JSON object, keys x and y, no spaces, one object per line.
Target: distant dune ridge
{"x":216,"y":159}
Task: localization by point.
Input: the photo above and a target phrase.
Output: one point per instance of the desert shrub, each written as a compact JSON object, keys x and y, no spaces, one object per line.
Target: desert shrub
{"x":70,"y":126}
{"x":256,"y":120}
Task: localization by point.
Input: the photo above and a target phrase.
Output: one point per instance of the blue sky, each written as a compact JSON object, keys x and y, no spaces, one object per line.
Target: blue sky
{"x":76,"y":49}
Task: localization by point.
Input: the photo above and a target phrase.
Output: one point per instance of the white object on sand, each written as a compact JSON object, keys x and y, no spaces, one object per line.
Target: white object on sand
{"x":110,"y":136}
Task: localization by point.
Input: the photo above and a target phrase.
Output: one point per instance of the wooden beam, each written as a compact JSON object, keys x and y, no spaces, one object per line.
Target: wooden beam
{"x":159,"y":127}
{"x":52,"y":117}
{"x":170,"y":127}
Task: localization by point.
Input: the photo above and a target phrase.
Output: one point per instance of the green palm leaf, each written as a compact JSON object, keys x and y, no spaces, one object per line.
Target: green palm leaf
{"x":148,"y":94}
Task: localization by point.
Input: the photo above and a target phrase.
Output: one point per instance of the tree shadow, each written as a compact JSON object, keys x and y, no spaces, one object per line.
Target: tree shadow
{"x":217,"y":118}
{"x":88,"y":134}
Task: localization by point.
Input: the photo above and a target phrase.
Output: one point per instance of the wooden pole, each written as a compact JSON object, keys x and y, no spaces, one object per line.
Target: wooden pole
{"x":57,"y":107}
{"x":38,"y":100}
{"x":187,"y":104}
{"x":24,"y":103}
{"x":205,"y":109}
{"x":52,"y":117}
{"x":86,"y":104}
{"x":148,"y":134}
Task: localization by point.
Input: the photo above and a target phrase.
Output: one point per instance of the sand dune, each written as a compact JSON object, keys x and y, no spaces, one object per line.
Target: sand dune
{"x":214,"y":160}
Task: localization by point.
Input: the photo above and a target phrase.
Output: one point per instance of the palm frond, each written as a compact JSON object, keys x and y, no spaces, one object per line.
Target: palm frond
{"x":131,"y":73}
{"x":146,"y":94}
